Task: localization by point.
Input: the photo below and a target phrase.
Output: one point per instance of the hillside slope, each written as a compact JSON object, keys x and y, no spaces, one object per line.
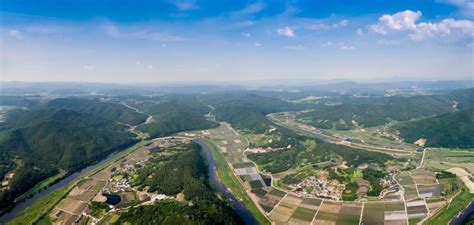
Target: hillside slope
{"x":378,"y":111}
{"x":43,"y":142}
{"x":110,"y":111}
{"x":171,"y":117}
{"x":452,"y":130}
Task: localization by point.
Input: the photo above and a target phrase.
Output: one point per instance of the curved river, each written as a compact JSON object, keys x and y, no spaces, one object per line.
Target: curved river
{"x":21,"y":206}
{"x":240,"y":209}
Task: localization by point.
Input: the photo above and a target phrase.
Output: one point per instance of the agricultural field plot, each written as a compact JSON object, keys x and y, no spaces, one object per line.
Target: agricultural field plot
{"x":409,"y":185}
{"x":416,"y":208}
{"x":58,"y":216}
{"x":434,"y":204}
{"x":295,"y":210}
{"x":373,"y":136}
{"x":423,"y":177}
{"x":430,"y":191}
{"x":332,"y":212}
{"x":444,"y":159}
{"x":393,"y":213}
{"x":268,"y":199}
{"x":232,"y":146}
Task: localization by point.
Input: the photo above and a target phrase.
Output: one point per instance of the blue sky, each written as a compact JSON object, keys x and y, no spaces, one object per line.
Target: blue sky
{"x":192,"y":40}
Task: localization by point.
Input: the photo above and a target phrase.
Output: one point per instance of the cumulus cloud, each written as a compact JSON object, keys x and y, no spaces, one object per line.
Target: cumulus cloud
{"x":397,"y":22}
{"x":359,"y":31}
{"x":286,"y":31}
{"x":406,"y":21}
{"x":256,"y":44}
{"x":184,"y":5}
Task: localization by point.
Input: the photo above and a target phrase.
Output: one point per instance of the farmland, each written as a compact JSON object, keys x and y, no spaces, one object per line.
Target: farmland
{"x":419,"y":193}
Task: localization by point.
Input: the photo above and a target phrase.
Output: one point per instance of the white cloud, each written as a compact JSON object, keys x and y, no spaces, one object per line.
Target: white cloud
{"x":406,"y":21}
{"x":245,"y":34}
{"x":253,"y":8}
{"x":359,"y":31}
{"x":286,"y":31}
{"x":184,"y":5}
{"x":399,"y":21}
{"x":150,"y":67}
{"x":344,"y":23}
{"x":256,"y":44}
{"x":15,"y":34}
{"x":138,"y":63}
{"x":88,"y":67}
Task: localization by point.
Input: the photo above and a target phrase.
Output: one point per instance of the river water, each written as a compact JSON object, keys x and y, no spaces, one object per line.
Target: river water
{"x":459,"y":219}
{"x":21,"y":206}
{"x":239,"y":208}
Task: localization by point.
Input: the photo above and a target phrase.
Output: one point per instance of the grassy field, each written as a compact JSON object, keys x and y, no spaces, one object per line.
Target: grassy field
{"x":45,"y":204}
{"x":228,"y":178}
{"x":444,"y":215}
{"x":443,"y":159}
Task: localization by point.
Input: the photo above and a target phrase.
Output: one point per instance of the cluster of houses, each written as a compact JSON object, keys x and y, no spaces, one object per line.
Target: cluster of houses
{"x":321,"y":187}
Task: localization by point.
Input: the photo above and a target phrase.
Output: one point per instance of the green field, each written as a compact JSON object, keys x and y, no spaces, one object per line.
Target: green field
{"x":232,"y":182}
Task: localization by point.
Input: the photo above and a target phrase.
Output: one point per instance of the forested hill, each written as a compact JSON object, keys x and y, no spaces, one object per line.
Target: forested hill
{"x":110,"y":111}
{"x":377,"y":111}
{"x":43,"y":141}
{"x":247,"y":111}
{"x":171,"y":117}
{"x":452,"y":130}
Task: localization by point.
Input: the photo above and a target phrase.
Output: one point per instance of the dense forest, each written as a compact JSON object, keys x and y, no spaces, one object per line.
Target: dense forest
{"x":247,"y":111}
{"x":451,"y":130}
{"x":171,"y":117}
{"x":185,"y":171}
{"x":44,"y":141}
{"x":313,"y":153}
{"x":110,"y":111}
{"x":369,"y":112}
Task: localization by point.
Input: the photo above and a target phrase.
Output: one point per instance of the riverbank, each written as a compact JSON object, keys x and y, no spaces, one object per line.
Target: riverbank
{"x":227,"y":177}
{"x":238,"y":206}
{"x":40,"y":207}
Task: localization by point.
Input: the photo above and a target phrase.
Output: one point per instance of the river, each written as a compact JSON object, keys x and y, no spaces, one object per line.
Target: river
{"x":459,"y":219}
{"x":21,"y":206}
{"x":239,"y":208}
